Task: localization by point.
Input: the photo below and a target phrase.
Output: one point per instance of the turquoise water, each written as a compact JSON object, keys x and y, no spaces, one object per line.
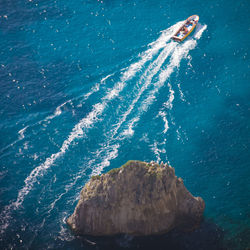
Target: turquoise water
{"x":88,"y":85}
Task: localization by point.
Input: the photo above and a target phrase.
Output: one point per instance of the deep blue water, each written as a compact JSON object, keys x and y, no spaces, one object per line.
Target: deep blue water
{"x":88,"y":85}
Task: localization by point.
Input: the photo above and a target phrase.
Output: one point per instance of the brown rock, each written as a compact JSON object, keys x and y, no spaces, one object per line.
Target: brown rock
{"x":138,"y":198}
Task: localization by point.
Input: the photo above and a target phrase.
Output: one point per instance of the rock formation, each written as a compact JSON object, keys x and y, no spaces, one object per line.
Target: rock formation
{"x":138,"y":198}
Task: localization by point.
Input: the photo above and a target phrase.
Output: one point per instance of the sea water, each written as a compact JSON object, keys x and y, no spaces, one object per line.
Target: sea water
{"x":88,"y":85}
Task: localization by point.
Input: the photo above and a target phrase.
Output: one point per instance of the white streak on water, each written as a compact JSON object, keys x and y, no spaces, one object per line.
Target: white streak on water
{"x":199,"y":30}
{"x":181,"y":93}
{"x":111,"y":153}
{"x":169,"y":103}
{"x":178,"y":54}
{"x":112,"y":150}
{"x":21,"y":133}
{"x":152,"y":70}
{"x":56,"y":113}
{"x":80,"y":128}
{"x":96,"y":87}
{"x":129,"y":131}
{"x":157,"y":151}
{"x":164,"y":118}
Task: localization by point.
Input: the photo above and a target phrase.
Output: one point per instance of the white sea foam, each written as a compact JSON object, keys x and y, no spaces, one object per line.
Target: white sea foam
{"x":181,"y":93}
{"x":129,"y":131}
{"x":169,"y":103}
{"x":111,"y":153}
{"x":178,"y":54}
{"x":181,"y":51}
{"x":199,"y":30}
{"x":153,"y":68}
{"x":157,"y":151}
{"x":151,"y":71}
{"x":96,"y":87}
{"x":21,"y":132}
{"x":57,"y":112}
{"x":80,"y":128}
{"x":164,"y":118}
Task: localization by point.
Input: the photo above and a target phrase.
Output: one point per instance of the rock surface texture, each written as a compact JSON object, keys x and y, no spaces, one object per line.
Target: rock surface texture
{"x":138,"y":198}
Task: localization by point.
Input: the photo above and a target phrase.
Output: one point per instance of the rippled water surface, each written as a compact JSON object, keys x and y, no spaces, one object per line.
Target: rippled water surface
{"x":88,"y":85}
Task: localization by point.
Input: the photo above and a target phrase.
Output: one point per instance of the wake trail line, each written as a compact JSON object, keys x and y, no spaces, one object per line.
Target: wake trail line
{"x":81,"y":127}
{"x":149,"y":73}
{"x":111,"y":150}
{"x":180,"y":51}
{"x":178,"y":54}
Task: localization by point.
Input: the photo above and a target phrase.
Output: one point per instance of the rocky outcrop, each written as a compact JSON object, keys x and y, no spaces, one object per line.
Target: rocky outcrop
{"x":138,"y":198}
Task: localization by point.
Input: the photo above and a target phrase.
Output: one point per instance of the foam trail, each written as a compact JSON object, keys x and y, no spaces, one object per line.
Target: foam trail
{"x":21,"y":133}
{"x":169,"y":103}
{"x":96,"y":87}
{"x":199,"y":30}
{"x":156,"y":151}
{"x":57,"y":112}
{"x":112,"y":151}
{"x":164,"y":118}
{"x":21,"y":136}
{"x":181,"y":93}
{"x":152,"y":70}
{"x":86,"y":122}
{"x":154,"y":47}
{"x":179,"y":53}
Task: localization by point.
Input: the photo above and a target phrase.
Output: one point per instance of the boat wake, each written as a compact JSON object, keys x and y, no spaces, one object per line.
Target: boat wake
{"x":153,"y":68}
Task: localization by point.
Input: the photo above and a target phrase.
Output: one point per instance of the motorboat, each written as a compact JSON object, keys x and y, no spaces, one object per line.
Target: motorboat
{"x":186,"y":29}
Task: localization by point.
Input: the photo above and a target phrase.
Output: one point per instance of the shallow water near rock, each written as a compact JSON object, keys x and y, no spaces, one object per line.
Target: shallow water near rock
{"x":88,"y":85}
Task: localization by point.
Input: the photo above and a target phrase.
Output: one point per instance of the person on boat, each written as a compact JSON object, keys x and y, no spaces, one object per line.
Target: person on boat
{"x":185,"y":30}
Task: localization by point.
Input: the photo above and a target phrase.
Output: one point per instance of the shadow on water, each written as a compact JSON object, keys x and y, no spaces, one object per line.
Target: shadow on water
{"x":208,"y":236}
